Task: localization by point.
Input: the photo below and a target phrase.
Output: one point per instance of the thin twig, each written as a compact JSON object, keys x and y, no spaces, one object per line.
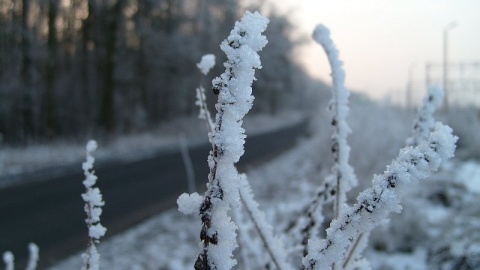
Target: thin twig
{"x":351,"y":251}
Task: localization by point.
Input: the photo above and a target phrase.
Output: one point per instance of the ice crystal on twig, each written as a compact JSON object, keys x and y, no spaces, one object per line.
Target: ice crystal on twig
{"x":93,"y":203}
{"x":234,"y":101}
{"x":33,"y":251}
{"x":374,"y":204}
{"x":342,"y":173}
{"x":9,"y":260}
{"x":425,"y":121}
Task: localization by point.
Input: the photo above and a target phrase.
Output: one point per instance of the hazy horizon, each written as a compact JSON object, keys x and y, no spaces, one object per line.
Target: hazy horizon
{"x":380,"y":42}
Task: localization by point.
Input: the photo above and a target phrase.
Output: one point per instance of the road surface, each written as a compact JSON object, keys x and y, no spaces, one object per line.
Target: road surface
{"x":48,"y":210}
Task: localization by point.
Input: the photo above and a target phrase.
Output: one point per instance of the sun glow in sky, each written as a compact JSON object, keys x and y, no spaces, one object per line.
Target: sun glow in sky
{"x":380,"y":41}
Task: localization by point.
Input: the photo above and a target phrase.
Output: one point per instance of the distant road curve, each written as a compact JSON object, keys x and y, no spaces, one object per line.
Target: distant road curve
{"x":49,"y":211}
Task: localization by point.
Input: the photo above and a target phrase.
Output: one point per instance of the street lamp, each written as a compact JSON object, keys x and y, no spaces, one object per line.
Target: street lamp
{"x":447,"y":28}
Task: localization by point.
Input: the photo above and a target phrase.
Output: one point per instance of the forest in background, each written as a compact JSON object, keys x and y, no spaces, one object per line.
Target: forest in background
{"x":81,"y":68}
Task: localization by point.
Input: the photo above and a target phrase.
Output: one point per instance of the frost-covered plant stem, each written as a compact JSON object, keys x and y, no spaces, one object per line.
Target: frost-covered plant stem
{"x":204,"y":112}
{"x":277,"y":254}
{"x":33,"y":256}
{"x":206,"y":63}
{"x":342,"y":177}
{"x":273,"y":246}
{"x":312,"y":218}
{"x":374,"y":204}
{"x":342,"y":172}
{"x":234,"y":101}
{"x":425,"y":122}
{"x":93,"y":203}
{"x":187,"y":162}
{"x":355,"y":249}
{"x":9,"y":260}
{"x":424,"y":125}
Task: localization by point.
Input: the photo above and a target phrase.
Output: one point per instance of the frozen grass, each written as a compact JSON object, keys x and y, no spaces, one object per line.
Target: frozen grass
{"x":155,"y":244}
{"x":466,"y":124}
{"x":148,"y":246}
{"x":282,"y":187}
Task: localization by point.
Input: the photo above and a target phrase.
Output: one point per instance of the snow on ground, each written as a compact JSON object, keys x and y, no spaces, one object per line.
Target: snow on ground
{"x":400,"y":261}
{"x":439,"y":224}
{"x":284,"y":183}
{"x":170,"y":240}
{"x":469,"y":176}
{"x":166,"y":241}
{"x":62,"y":155}
{"x":149,"y":245}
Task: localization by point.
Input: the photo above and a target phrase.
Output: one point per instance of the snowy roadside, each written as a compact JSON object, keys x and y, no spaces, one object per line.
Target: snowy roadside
{"x":282,"y":186}
{"x":169,"y":240}
{"x":62,"y":156}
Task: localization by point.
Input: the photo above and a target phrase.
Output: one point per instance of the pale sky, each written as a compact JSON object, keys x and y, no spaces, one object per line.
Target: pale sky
{"x":379,"y":40}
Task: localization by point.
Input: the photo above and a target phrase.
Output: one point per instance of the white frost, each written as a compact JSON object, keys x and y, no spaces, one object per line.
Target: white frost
{"x":234,"y":89}
{"x":93,"y":203}
{"x":96,"y":231}
{"x":274,"y":245}
{"x":374,"y":204}
{"x":33,"y":256}
{"x":425,"y":121}
{"x":469,"y":176}
{"x":91,"y":259}
{"x":342,"y":172}
{"x":8,"y":259}
{"x":206,"y":63}
{"x":189,"y":203}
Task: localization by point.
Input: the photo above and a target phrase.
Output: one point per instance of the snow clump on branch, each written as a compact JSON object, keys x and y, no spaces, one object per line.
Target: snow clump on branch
{"x":342,"y":172}
{"x":425,"y":121}
{"x":374,"y":204}
{"x":233,"y":87}
{"x":206,"y":63}
{"x":93,"y":203}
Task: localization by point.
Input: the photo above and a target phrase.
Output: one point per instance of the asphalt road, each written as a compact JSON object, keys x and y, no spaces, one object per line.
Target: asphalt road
{"x":48,"y":210}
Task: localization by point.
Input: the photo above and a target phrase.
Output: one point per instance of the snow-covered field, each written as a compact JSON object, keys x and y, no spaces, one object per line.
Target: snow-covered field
{"x":439,"y":227}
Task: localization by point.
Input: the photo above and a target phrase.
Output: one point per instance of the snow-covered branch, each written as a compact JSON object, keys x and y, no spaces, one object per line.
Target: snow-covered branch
{"x":424,"y":125}
{"x":206,"y":63}
{"x":189,"y":203}
{"x":33,"y":251}
{"x":9,"y":260}
{"x":374,"y":204}
{"x":342,"y":177}
{"x":313,"y":217}
{"x":273,"y":245}
{"x":234,"y":101}
{"x":342,"y":172}
{"x":93,"y":203}
{"x":425,"y":122}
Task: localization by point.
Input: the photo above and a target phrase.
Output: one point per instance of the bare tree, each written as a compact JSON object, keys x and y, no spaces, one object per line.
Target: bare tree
{"x":50,"y":123}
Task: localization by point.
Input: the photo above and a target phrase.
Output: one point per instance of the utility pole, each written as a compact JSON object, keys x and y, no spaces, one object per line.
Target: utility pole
{"x":410,"y":86}
{"x":428,"y":79}
{"x":447,"y":28}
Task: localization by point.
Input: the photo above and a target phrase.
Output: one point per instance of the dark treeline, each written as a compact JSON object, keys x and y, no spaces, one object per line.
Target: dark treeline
{"x":77,"y":68}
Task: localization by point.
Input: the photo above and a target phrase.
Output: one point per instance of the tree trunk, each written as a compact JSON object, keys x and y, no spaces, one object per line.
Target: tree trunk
{"x":26,"y":107}
{"x":107,"y":110}
{"x":88,"y":50}
{"x":51,"y":125}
